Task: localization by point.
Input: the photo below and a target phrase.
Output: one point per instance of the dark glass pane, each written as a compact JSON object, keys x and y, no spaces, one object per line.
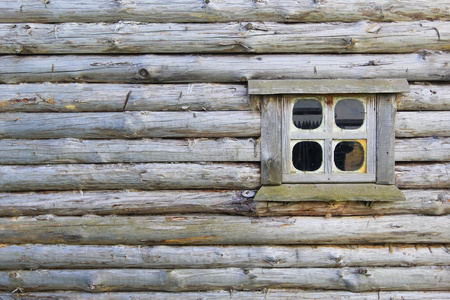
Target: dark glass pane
{"x":307,"y":156}
{"x":349,"y":156}
{"x":307,"y":114}
{"x":349,"y":114}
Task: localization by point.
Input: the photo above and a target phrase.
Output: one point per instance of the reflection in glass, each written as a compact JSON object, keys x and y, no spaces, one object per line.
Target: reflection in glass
{"x":349,"y":156}
{"x":307,"y":156}
{"x":307,"y":114}
{"x":349,"y":114}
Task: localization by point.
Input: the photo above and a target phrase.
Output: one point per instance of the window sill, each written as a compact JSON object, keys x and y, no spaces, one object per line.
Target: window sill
{"x":329,"y":193}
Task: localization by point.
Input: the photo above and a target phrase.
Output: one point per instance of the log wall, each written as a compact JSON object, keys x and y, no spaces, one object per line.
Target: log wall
{"x":129,"y":151}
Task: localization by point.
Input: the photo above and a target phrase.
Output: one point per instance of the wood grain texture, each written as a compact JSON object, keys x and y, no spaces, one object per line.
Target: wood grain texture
{"x":156,"y":176}
{"x":56,"y":151}
{"x":422,"y":124}
{"x":233,"y":294}
{"x":106,"y":202}
{"x":346,"y":279}
{"x":237,"y":202}
{"x":72,"y":97}
{"x":425,"y":96}
{"x":224,"y":230}
{"x":422,"y":149}
{"x":423,"y":66}
{"x":423,"y":202}
{"x":222,"y":11}
{"x":419,"y":176}
{"x":129,"y":125}
{"x":385,"y":138}
{"x":138,"y":37}
{"x":196,"y":257}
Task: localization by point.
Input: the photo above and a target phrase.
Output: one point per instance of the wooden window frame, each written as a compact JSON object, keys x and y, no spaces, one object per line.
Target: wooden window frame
{"x":272,"y":97}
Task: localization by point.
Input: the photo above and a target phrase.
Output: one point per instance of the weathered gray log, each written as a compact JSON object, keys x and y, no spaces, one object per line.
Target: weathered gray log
{"x":129,"y":125}
{"x":425,"y":96}
{"x":34,"y":257}
{"x":224,"y":230}
{"x":49,"y":97}
{"x":222,"y":68}
{"x":423,"y":149}
{"x":233,"y":294}
{"x":420,"y":176}
{"x":221,"y":11}
{"x":425,"y":202}
{"x":127,"y":202}
{"x":138,"y":37}
{"x":422,"y":124}
{"x":129,"y":176}
{"x":178,"y":124}
{"x":347,"y":279}
{"x":22,"y":152}
{"x":168,"y":150}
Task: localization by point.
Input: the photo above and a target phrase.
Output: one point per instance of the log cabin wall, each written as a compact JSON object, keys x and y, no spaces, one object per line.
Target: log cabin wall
{"x":129,"y":154}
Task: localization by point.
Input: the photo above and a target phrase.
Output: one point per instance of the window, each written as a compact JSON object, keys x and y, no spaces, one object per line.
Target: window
{"x":332,"y":135}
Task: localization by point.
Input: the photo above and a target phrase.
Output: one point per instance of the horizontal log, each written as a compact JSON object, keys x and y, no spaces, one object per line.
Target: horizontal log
{"x":233,"y":294}
{"x":421,"y":176}
{"x":122,"y":151}
{"x":51,"y":151}
{"x":159,"y":257}
{"x":347,"y":279}
{"x":157,"y":176}
{"x":422,"y":149}
{"x":129,"y":125}
{"x":178,"y":124}
{"x":138,"y":37}
{"x":222,"y":11}
{"x":420,"y":124}
{"x":425,"y":202}
{"x":224,"y":230}
{"x":48,"y":97}
{"x":127,"y":202}
{"x":423,"y":66}
{"x":425,"y":96}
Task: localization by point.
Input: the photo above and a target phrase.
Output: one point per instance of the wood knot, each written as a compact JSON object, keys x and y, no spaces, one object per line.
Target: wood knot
{"x":143,"y":73}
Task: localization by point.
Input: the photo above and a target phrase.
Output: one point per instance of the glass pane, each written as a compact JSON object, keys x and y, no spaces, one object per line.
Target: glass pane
{"x":349,"y":114}
{"x":307,"y":114}
{"x":307,"y":156}
{"x":349,"y":156}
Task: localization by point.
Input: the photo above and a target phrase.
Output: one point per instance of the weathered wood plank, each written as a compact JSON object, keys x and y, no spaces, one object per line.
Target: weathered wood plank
{"x":127,"y":202}
{"x":130,"y":176}
{"x":222,"y":11}
{"x":129,"y":125}
{"x":233,"y":294}
{"x":425,"y":96}
{"x":423,"y":149}
{"x":420,"y":176}
{"x":422,"y":124}
{"x":385,"y":135}
{"x":221,"y":68}
{"x":23,"y":152}
{"x":224,"y":230}
{"x":425,"y":202}
{"x":271,"y":132}
{"x":347,"y":279}
{"x":179,"y":124}
{"x":138,"y":37}
{"x":49,"y":97}
{"x":191,"y":257}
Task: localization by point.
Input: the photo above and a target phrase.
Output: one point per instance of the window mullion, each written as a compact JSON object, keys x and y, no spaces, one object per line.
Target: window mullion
{"x":328,"y":143}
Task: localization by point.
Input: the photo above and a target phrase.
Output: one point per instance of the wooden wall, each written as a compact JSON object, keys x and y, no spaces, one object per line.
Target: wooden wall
{"x":129,"y":154}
